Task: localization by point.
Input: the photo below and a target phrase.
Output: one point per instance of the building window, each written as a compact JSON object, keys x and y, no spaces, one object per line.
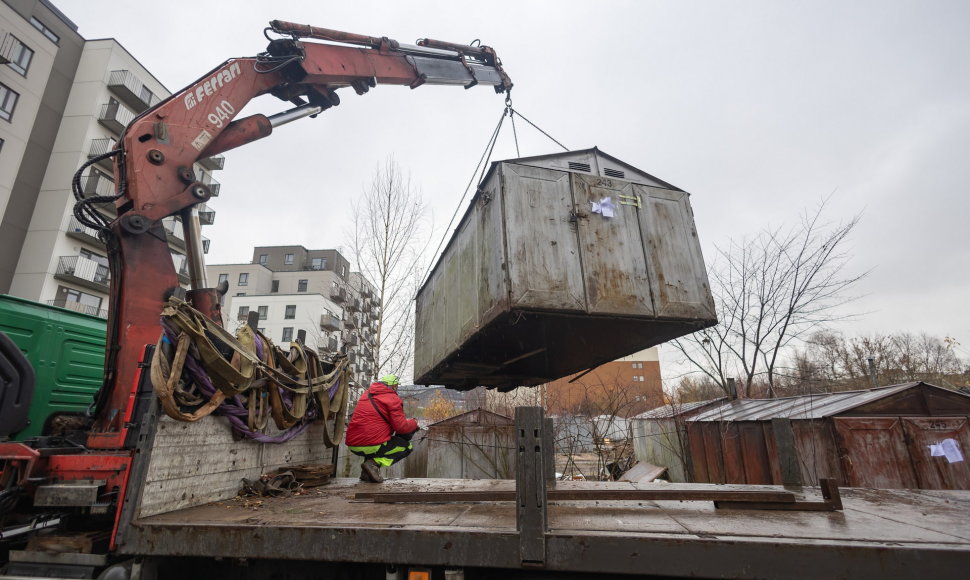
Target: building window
{"x":288,"y":259}
{"x":19,"y":56}
{"x":147,"y":96}
{"x":243,"y":279}
{"x":8,"y":102}
{"x":274,"y":286}
{"x":318,"y":264}
{"x":263,"y":259}
{"x":343,"y":270}
{"x":243,"y":312}
{"x":240,"y":293}
{"x":290,"y":311}
{"x":263,"y":311}
{"x":223,"y":278}
{"x":302,"y":285}
{"x":45,"y":31}
{"x":638,"y":365}
{"x":288,"y":334}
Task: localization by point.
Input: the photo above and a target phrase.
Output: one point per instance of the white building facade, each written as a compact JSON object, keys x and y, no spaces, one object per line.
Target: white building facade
{"x":59,"y":260}
{"x":294,"y":289}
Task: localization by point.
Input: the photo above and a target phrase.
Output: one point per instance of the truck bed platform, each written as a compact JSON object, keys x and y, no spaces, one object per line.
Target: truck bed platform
{"x":879,"y":533}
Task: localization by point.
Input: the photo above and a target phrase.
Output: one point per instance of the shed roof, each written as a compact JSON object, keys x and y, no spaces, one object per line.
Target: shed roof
{"x":475,"y":417}
{"x":816,"y":406}
{"x":670,"y":411}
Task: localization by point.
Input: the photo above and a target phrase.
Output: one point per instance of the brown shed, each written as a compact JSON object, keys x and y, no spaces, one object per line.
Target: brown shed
{"x":912,"y":435}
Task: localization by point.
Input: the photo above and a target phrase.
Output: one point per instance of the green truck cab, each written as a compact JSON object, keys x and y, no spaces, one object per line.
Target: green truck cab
{"x":66,"y":350}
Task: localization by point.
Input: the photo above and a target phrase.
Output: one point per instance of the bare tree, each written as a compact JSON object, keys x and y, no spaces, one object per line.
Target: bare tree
{"x":388,"y":239}
{"x":831,"y":361}
{"x":771,"y":292}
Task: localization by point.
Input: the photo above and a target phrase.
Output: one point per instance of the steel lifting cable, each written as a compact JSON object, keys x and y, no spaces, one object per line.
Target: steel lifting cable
{"x":483,"y":165}
{"x":485,"y":155}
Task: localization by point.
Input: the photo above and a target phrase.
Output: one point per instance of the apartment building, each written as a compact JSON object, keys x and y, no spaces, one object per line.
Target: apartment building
{"x":295,"y":289}
{"x":624,"y":387}
{"x":52,"y":257}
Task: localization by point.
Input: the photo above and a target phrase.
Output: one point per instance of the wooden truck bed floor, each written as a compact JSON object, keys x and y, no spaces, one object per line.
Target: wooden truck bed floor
{"x":880,"y":533}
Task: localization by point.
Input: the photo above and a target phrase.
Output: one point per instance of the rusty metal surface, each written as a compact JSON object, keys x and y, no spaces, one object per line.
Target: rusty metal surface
{"x":894,"y":534}
{"x":679,"y":410}
{"x":816,"y":406}
{"x":534,"y":286}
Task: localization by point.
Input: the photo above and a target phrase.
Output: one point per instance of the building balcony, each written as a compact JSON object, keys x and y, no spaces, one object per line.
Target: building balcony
{"x":7,"y":45}
{"x":214,"y":186}
{"x":350,"y":338}
{"x":338,"y":295}
{"x":84,"y":272}
{"x":131,"y":90}
{"x":207,"y":215}
{"x":329,"y":322}
{"x":115,"y":117}
{"x":100,"y":147}
{"x":97,"y":183}
{"x":350,"y":322}
{"x":213,"y":163}
{"x":78,"y":307}
{"x":79,"y":231}
{"x":353,"y":305}
{"x":183,"y":272}
{"x":330,"y":345}
{"x":176,"y":234}
{"x":366,"y":292}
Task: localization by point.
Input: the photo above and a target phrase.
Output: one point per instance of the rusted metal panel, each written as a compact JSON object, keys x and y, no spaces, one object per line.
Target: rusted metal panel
{"x":697,"y":466}
{"x":714,"y":457}
{"x":818,"y":454}
{"x":614,"y":266}
{"x":679,"y":284}
{"x":757,"y":468}
{"x":535,"y":285}
{"x":880,"y":534}
{"x":731,"y":453}
{"x":874,"y":452}
{"x":939,"y":472}
{"x":543,"y":252}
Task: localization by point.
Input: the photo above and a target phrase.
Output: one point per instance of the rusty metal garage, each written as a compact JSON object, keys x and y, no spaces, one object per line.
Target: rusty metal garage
{"x":907,"y":436}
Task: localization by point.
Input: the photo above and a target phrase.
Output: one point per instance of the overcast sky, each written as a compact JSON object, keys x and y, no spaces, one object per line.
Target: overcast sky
{"x":759,"y":109}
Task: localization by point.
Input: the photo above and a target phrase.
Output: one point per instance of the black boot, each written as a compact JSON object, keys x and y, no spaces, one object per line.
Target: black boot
{"x":370,"y":471}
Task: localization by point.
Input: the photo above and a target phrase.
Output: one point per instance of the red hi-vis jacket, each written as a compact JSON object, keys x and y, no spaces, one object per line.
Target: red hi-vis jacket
{"x":367,"y":427}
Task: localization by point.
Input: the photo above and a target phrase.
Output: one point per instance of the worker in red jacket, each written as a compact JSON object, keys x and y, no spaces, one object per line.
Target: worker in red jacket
{"x":379,"y":431}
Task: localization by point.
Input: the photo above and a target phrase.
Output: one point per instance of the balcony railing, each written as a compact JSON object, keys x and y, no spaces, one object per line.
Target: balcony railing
{"x":79,"y":231}
{"x":173,"y":228}
{"x":7,"y":44}
{"x":96,"y":183}
{"x":84,"y":271}
{"x":338,"y":294}
{"x":207,"y":215}
{"x":330,"y":345}
{"x":100,"y":147}
{"x":131,"y":90}
{"x":350,"y":322}
{"x":115,"y":117}
{"x":350,"y":338}
{"x":78,"y":307}
{"x":329,"y":322}
{"x":214,"y":186}
{"x":213,"y":163}
{"x":353,"y":304}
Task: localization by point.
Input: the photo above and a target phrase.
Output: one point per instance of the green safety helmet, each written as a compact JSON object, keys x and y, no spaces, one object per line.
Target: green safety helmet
{"x":390,"y":380}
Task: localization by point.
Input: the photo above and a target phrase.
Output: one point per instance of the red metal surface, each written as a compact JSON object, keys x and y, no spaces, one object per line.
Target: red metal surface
{"x":938,"y":472}
{"x":138,"y":295}
{"x":757,"y":467}
{"x":874,"y":452}
{"x":19,"y":462}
